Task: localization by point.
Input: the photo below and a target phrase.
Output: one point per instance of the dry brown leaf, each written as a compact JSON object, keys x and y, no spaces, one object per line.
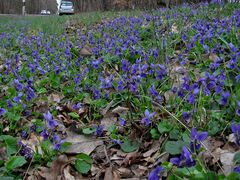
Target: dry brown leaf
{"x":116,"y":157}
{"x":125,"y":172}
{"x":174,"y":28}
{"x":111,"y":175}
{"x":108,"y":174}
{"x":108,"y":121}
{"x":55,"y":97}
{"x":34,"y":142}
{"x":213,"y":57}
{"x":66,"y":173}
{"x":86,"y":51}
{"x":119,"y":110}
{"x":81,"y":144}
{"x":168,"y":95}
{"x":226,"y":159}
{"x":94,"y":170}
{"x":155,"y":146}
{"x":131,"y":158}
{"x":212,"y":143}
{"x":106,"y":109}
{"x":41,"y":106}
{"x":56,"y":169}
{"x":232,"y":138}
{"x":139,"y":170}
{"x":149,"y":160}
{"x":3,"y":154}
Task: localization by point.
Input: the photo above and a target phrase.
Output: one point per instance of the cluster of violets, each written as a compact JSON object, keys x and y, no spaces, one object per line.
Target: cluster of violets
{"x":236,"y":130}
{"x":122,"y":64}
{"x":48,"y":133}
{"x":186,"y":158}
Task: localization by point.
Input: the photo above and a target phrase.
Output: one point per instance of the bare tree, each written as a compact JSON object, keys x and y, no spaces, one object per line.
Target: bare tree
{"x":32,"y":6}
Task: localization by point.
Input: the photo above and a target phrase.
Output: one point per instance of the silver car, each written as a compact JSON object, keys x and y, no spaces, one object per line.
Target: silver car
{"x":66,"y":7}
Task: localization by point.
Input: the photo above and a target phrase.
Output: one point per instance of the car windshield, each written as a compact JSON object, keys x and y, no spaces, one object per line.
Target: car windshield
{"x":66,"y":3}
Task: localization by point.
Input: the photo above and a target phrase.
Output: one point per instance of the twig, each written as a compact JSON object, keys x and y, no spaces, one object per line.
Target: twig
{"x":108,"y":160}
{"x":170,"y":114}
{"x":174,"y":117}
{"x":25,"y":176}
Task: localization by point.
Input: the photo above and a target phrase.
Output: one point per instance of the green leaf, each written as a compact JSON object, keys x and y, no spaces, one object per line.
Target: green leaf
{"x":112,"y":129}
{"x":11,"y":144}
{"x":174,"y":134}
{"x":89,"y":130}
{"x":164,"y":127}
{"x":186,"y":137}
{"x":65,"y":146}
{"x":130,"y":146}
{"x":236,"y":158}
{"x":82,"y":166}
{"x":7,"y":178}
{"x":41,"y":90}
{"x":154,"y":134}
{"x":167,"y":165}
{"x":85,"y":157}
{"x":14,"y":162}
{"x":74,"y":115}
{"x":174,"y":147}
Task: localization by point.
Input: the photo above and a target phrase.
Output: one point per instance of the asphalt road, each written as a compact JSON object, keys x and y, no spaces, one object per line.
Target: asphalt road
{"x":16,"y":15}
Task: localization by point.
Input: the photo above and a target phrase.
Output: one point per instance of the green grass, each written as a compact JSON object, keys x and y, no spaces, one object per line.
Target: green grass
{"x":56,"y":24}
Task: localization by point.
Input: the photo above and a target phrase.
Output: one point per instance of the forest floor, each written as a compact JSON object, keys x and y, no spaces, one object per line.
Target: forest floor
{"x":121,"y":95}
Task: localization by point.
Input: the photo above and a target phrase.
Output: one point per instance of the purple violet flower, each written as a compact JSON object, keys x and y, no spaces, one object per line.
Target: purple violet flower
{"x":237,"y":169}
{"x":99,"y":130}
{"x":51,"y":123}
{"x":117,"y":141}
{"x":148,"y":116}
{"x":186,"y":116}
{"x":44,"y":134}
{"x":224,"y":99}
{"x":155,"y":173}
{"x":184,"y":160}
{"x":2,"y":111}
{"x":238,"y":109}
{"x":24,"y":134}
{"x":236,"y":130}
{"x":57,"y":146}
{"x":196,"y":139}
{"x":77,"y":106}
{"x":122,"y":121}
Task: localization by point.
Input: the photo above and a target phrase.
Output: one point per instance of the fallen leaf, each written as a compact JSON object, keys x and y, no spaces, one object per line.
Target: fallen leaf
{"x":212,"y":143}
{"x":139,"y":170}
{"x":226,"y":159}
{"x":85,"y":51}
{"x":168,"y":95}
{"x":34,"y":142}
{"x":81,"y":144}
{"x":66,"y":173}
{"x":55,"y":97}
{"x":174,"y":28}
{"x":232,"y":138}
{"x":111,"y":175}
{"x":125,"y":172}
{"x":106,"y":109}
{"x":94,"y":170}
{"x":213,"y":57}
{"x":116,"y":157}
{"x":120,"y":110}
{"x":56,"y":169}
{"x":108,"y":121}
{"x":131,"y":158}
{"x":154,"y":148}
